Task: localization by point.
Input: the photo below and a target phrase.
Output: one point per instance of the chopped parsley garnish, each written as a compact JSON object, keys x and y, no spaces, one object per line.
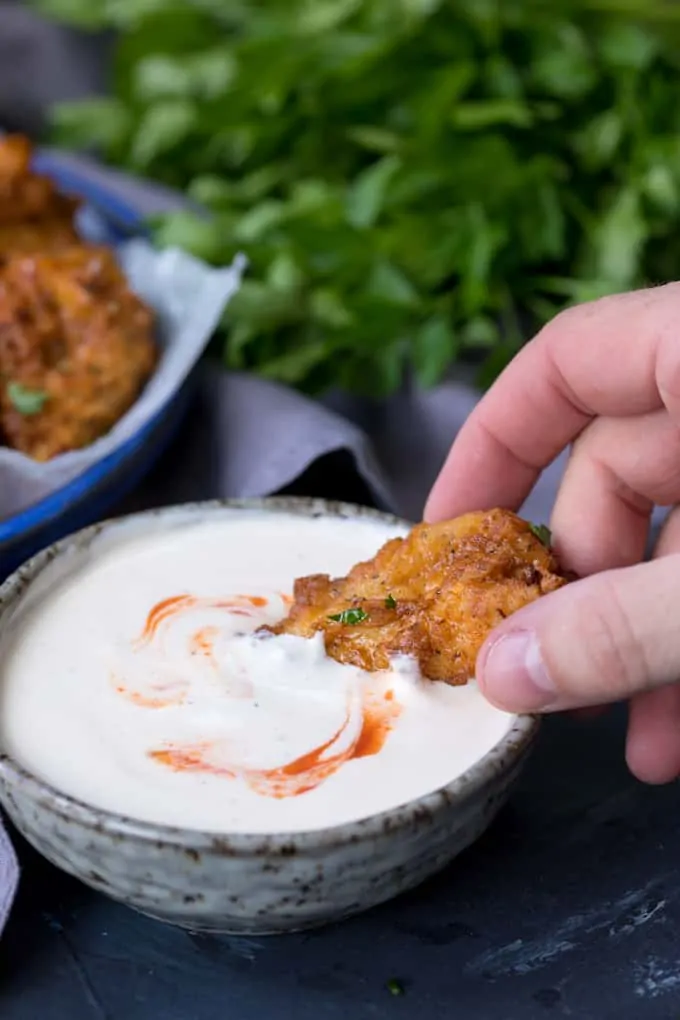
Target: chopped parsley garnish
{"x":542,"y":533}
{"x":395,"y":987}
{"x":25,"y":401}
{"x":390,"y":602}
{"x":349,"y":617}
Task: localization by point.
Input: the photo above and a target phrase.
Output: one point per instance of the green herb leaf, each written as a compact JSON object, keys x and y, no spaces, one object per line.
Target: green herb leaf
{"x":375,"y":139}
{"x":618,"y":239}
{"x":434,"y":349}
{"x":197,"y":234}
{"x":349,"y":617}
{"x":85,"y":14}
{"x":101,"y":122}
{"x":477,"y":115}
{"x":387,"y":283}
{"x":325,"y":306}
{"x":159,"y":76}
{"x":480,"y":331}
{"x":390,"y":602}
{"x":628,"y":47}
{"x":285,"y":273}
{"x":564,"y":66}
{"x":26,"y":401}
{"x":542,"y":533}
{"x":366,"y":196}
{"x":163,"y":127}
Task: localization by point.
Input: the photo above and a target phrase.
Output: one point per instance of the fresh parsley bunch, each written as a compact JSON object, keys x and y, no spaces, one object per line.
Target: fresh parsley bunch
{"x":415,"y":182}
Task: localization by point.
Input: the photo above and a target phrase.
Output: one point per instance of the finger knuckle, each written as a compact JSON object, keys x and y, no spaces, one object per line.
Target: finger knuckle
{"x":578,"y":315}
{"x":610,"y":660}
{"x":561,"y":325}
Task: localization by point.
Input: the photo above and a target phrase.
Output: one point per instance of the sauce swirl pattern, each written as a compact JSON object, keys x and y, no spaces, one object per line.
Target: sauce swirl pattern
{"x":168,"y":629}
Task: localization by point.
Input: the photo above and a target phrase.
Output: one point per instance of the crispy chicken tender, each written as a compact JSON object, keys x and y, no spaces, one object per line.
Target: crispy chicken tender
{"x":76,"y":348}
{"x":34,"y":216}
{"x":434,"y":595}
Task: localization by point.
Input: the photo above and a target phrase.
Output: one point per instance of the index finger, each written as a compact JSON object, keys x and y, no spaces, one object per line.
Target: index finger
{"x":616,"y":356}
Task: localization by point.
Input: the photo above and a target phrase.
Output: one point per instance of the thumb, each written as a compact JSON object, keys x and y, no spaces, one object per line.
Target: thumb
{"x":598,"y":640}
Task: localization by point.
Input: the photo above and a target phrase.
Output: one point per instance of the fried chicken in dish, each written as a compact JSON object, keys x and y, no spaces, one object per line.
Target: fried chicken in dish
{"x":434,"y":595}
{"x":76,"y":345}
{"x":34,"y":216}
{"x":39,"y":237}
{"x":76,"y":349}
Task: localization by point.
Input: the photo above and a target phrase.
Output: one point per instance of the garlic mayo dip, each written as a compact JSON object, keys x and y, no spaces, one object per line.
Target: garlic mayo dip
{"x":131,"y":678}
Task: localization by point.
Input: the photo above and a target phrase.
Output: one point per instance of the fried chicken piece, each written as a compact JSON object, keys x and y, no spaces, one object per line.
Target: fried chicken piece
{"x":24,"y":194}
{"x":434,"y":595}
{"x":34,"y":216}
{"x":36,"y":237}
{"x":76,"y":349}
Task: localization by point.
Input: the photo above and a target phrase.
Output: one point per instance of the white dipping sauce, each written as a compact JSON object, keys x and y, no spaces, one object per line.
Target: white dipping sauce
{"x":196,"y":722}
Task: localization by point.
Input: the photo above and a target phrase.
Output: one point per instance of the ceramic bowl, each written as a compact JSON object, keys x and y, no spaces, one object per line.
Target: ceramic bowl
{"x":255,"y":884}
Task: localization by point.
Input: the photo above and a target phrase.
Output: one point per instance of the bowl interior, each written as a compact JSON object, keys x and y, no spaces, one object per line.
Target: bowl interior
{"x":57,"y":561}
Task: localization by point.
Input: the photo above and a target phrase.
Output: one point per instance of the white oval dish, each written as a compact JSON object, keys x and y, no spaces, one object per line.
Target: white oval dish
{"x":246,"y":882}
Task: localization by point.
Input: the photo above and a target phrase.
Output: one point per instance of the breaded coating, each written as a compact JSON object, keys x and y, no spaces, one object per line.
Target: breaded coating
{"x":76,"y":349}
{"x":39,"y":237}
{"x":76,"y":345}
{"x":434,"y":595}
{"x":34,"y":215}
{"x":24,"y":194}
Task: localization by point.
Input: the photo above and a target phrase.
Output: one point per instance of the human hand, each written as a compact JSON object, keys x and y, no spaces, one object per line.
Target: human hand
{"x":604,"y":377}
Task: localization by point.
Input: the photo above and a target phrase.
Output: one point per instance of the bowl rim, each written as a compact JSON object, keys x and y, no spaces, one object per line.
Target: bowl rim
{"x":500,"y":759}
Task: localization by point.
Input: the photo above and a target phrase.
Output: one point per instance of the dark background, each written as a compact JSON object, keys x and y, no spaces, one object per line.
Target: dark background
{"x":41,"y":63}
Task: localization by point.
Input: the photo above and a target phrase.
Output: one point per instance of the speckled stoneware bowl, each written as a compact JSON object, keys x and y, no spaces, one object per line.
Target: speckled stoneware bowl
{"x":248,"y":883}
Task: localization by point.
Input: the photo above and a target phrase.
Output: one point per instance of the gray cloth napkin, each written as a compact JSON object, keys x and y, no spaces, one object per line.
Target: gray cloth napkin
{"x":9,"y":876}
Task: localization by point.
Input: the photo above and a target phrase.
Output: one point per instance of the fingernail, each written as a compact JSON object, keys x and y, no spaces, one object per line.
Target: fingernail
{"x":513,"y":674}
